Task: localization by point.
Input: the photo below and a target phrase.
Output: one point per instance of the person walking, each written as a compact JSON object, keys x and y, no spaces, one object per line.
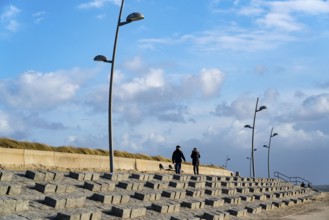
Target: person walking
{"x":177,"y":158}
{"x":195,"y":155}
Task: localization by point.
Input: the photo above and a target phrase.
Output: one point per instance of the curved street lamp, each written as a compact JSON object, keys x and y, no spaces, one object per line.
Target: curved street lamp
{"x":268,"y":156}
{"x":130,"y":18}
{"x":253,"y":134}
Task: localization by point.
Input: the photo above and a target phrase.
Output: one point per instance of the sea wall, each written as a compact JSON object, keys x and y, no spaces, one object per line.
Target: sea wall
{"x":26,"y":158}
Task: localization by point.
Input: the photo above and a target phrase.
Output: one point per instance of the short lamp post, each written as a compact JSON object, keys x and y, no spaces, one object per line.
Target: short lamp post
{"x":227,"y":159}
{"x":253,"y":135}
{"x":268,"y":155}
{"x":249,"y":158}
{"x":130,"y":18}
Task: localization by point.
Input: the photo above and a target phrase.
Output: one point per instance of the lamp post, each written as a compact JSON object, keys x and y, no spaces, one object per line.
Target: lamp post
{"x":268,"y":155}
{"x":130,"y":18}
{"x":249,"y":158}
{"x":227,"y":159}
{"x":253,"y":134}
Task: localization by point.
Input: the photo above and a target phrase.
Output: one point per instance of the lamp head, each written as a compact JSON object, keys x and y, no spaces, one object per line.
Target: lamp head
{"x":134,"y":17}
{"x":262,"y":108}
{"x":275,"y":134}
{"x":248,"y":126}
{"x":102,"y":58}
{"x":266,"y":146}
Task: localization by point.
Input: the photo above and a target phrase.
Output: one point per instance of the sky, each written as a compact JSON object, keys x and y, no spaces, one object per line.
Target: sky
{"x":188,"y":74}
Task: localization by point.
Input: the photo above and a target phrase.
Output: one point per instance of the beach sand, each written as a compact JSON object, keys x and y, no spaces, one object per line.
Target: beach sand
{"x":317,"y":209}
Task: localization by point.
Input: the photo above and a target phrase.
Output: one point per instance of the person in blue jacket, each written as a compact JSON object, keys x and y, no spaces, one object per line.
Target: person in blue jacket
{"x":177,"y":158}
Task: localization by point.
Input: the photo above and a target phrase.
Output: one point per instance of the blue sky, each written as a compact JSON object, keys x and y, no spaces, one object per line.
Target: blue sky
{"x":188,"y":74}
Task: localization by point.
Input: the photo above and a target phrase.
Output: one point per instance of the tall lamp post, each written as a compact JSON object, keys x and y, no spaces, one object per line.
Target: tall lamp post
{"x":253,"y":134}
{"x":268,"y":156}
{"x":227,"y":159}
{"x":130,"y":18}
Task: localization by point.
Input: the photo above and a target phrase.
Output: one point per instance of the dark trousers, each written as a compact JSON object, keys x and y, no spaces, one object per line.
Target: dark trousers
{"x":196,"y":168}
{"x":178,"y":167}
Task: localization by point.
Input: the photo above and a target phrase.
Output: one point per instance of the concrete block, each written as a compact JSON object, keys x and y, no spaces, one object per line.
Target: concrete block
{"x":197,"y":184}
{"x":60,"y":189}
{"x":156,"y":184}
{"x":3,"y":189}
{"x":116,"y":176}
{"x":213,"y":191}
{"x":6,"y":176}
{"x":35,"y":175}
{"x":77,"y":175}
{"x":9,"y":205}
{"x":137,"y":212}
{"x":266,"y":206}
{"x":260,"y":197}
{"x":247,"y":198}
{"x":49,"y":176}
{"x":214,"y":202}
{"x":45,"y":187}
{"x":55,"y":202}
{"x":160,"y":207}
{"x":253,"y":209}
{"x":198,"y":178}
{"x":193,"y":204}
{"x":22,"y":205}
{"x":92,"y":186}
{"x":103,"y":198}
{"x":178,"y":185}
{"x":163,"y":177}
{"x":125,"y":185}
{"x":214,"y":215}
{"x":238,"y":212}
{"x":121,"y":211}
{"x":181,"y":177}
{"x":229,"y":191}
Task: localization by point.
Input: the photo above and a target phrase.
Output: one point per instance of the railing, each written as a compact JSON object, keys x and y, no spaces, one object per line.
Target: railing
{"x":293,"y":180}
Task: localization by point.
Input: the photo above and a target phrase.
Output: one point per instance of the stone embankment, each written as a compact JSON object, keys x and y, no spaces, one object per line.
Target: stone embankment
{"x":50,"y":194}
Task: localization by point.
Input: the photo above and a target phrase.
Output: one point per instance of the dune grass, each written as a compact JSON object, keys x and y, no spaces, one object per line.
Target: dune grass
{"x":9,"y":143}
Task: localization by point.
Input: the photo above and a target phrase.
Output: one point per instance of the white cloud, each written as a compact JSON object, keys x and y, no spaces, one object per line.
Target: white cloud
{"x":305,"y":6}
{"x":8,"y":18}
{"x":38,"y":17}
{"x":211,"y":80}
{"x":12,"y":125}
{"x":153,"y":80}
{"x":42,"y":90}
{"x":134,"y":64}
{"x":282,"y":21}
{"x":315,"y":107}
{"x":98,"y":4}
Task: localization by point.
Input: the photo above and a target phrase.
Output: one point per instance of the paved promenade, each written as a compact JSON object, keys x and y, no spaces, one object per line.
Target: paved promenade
{"x":50,"y":194}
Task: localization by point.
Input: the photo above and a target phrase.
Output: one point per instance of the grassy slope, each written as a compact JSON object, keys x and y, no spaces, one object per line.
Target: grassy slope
{"x":9,"y":143}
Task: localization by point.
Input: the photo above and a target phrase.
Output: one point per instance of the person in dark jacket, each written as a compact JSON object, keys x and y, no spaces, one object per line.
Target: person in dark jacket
{"x":177,"y":158}
{"x":195,"y":160}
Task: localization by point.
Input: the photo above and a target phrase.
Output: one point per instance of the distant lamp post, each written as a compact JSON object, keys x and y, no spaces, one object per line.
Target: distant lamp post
{"x":249,"y":158}
{"x":227,"y":159}
{"x":253,"y":134}
{"x":268,"y":155}
{"x":130,"y":18}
